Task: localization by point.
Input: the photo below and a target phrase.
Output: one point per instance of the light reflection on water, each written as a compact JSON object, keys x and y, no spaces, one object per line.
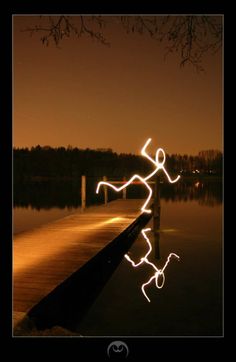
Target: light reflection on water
{"x":26,"y":218}
{"x":38,"y":203}
{"x":158,"y":275}
{"x":190,"y":302}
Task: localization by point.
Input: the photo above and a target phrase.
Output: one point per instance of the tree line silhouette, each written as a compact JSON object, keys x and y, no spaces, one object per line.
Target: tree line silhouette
{"x":38,"y":163}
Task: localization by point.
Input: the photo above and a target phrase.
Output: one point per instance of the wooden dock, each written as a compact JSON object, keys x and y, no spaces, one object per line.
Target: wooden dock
{"x":44,"y":257}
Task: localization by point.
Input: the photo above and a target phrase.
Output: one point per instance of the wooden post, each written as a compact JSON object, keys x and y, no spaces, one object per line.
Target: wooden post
{"x":157,"y":216}
{"x":105,"y":191}
{"x":83,"y":192}
{"x":124,"y":190}
{"x":157,"y":244}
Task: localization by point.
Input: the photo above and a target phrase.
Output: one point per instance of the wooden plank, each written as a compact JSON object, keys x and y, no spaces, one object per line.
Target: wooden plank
{"x":44,"y":257}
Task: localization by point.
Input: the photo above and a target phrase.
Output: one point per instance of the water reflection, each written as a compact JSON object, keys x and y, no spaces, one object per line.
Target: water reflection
{"x":156,"y":238}
{"x":190,"y":303}
{"x":51,"y":193}
{"x":158,"y":275}
{"x":207,"y":192}
{"x":66,"y":194}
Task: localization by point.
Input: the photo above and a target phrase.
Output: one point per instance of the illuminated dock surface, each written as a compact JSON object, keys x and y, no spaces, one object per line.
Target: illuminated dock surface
{"x":44,"y":257}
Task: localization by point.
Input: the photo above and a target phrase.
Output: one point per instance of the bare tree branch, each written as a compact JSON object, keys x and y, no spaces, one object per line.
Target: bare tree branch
{"x":191,"y":36}
{"x":64,"y":26}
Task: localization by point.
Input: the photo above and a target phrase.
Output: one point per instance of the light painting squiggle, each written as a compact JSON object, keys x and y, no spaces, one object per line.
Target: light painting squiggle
{"x":159,"y":165}
{"x":158,"y":272}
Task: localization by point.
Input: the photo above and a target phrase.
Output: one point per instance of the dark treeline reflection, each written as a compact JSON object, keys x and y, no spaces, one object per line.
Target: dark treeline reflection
{"x":54,"y":193}
{"x":206,"y":192}
{"x":46,"y":177}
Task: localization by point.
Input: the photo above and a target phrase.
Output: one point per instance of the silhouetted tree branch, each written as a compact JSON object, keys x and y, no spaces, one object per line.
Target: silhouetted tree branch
{"x":189,"y":35}
{"x":56,"y":28}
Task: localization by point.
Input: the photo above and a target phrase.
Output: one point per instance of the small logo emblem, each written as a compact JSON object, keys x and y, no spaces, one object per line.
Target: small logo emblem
{"x":117,"y":348}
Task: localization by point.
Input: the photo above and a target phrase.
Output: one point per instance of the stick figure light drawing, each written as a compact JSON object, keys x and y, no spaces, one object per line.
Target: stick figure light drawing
{"x":158,"y":274}
{"x":159,"y":165}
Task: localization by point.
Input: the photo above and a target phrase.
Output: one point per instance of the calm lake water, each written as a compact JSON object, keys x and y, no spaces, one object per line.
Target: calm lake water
{"x":190,"y":302}
{"x":36,"y":203}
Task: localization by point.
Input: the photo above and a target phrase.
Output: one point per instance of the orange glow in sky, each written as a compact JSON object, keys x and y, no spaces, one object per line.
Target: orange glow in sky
{"x":82,"y":92}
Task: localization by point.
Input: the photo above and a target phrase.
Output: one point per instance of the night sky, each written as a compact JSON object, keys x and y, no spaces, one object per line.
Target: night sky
{"x":88,"y":95}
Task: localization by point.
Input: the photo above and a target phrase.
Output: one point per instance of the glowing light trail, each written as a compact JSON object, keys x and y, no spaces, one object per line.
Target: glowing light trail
{"x":158,"y":272}
{"x":159,"y":165}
